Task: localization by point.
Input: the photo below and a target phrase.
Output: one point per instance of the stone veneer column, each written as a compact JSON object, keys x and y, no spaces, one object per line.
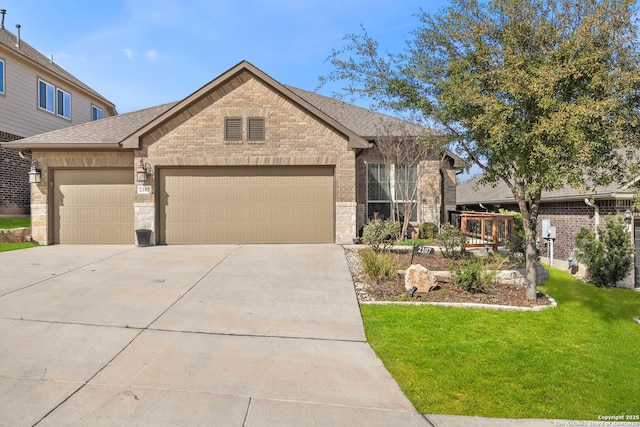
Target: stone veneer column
{"x":144,"y":218}
{"x":345,"y":222}
{"x":39,"y":223}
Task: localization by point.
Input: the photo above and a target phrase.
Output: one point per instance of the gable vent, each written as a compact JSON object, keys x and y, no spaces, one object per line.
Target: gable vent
{"x":255,"y":128}
{"x":233,"y":129}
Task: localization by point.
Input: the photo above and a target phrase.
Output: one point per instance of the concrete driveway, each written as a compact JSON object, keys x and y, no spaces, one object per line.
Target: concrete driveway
{"x":230,"y":335}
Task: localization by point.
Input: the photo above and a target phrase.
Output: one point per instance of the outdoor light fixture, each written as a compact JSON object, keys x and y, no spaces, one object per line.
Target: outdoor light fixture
{"x":627,"y":216}
{"x":144,"y":169}
{"x":34,"y":174}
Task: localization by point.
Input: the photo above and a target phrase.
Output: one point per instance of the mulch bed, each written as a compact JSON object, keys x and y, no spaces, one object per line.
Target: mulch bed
{"x":394,"y":290}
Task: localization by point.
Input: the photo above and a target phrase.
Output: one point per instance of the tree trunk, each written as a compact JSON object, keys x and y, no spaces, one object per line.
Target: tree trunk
{"x":531,"y":262}
{"x":529,"y":211}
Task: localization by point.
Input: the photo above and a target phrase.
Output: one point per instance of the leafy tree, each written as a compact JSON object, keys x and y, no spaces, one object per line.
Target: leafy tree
{"x":609,"y":258}
{"x":537,"y":93}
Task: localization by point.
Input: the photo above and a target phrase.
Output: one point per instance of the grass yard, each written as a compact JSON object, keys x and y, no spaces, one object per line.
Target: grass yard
{"x":577,"y":361}
{"x":14,"y":246}
{"x":15,"y":222}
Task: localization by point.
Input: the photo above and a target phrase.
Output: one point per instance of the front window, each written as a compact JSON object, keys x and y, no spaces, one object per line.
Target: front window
{"x":64,"y":103}
{"x":1,"y":76}
{"x":397,"y":187}
{"x":96,"y":113}
{"x":45,"y":96}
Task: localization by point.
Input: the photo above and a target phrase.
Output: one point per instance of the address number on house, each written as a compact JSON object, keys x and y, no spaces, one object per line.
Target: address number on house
{"x":144,"y":189}
{"x":423,"y":250}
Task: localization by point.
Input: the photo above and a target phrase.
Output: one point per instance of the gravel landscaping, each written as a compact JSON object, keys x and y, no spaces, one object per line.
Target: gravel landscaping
{"x":394,"y":290}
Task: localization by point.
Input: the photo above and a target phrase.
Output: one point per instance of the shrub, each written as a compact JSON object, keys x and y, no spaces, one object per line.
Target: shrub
{"x":472,"y":276}
{"x":516,"y":243}
{"x":610,"y":258}
{"x":379,"y":266}
{"x":451,"y":241}
{"x":380,"y":234}
{"x":428,"y":230}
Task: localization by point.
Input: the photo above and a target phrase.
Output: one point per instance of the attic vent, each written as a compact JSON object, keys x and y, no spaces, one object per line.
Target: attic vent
{"x":233,"y":129}
{"x":255,"y":128}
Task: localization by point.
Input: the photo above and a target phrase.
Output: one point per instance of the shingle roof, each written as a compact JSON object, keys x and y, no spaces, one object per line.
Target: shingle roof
{"x":8,"y":42}
{"x":364,"y":122}
{"x":112,"y":131}
{"x":103,"y":132}
{"x":501,"y":194}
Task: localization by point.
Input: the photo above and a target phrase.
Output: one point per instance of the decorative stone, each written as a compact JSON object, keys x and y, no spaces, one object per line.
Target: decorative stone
{"x":15,"y":235}
{"x":419,"y":277}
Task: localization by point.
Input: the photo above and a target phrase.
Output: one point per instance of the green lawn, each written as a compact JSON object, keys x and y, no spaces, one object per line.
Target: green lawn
{"x":577,"y":361}
{"x":15,"y":222}
{"x":14,"y":246}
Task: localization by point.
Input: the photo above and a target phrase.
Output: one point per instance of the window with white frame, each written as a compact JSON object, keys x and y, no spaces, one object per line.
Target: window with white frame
{"x":396,"y":186}
{"x":2,"y":77}
{"x":46,"y":99}
{"x":96,"y":113}
{"x":64,"y":103}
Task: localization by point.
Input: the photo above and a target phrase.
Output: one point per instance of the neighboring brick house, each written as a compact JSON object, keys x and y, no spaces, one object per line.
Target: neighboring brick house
{"x":568,"y":210}
{"x":244,"y":159}
{"x":36,"y":96}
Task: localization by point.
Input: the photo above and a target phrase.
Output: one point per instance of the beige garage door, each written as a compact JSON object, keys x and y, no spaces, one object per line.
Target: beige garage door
{"x":93,"y":206}
{"x":247,"y":205}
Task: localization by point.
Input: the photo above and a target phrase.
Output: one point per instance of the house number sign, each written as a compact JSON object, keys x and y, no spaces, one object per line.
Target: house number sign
{"x":423,"y":250}
{"x":144,"y":189}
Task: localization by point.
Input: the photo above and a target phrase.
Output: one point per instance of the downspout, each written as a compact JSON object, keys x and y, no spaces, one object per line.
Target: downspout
{"x":596,"y":214}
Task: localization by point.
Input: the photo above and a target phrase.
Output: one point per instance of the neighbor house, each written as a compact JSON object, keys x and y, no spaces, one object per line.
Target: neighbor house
{"x":36,"y":96}
{"x":242,"y":159}
{"x":568,"y":210}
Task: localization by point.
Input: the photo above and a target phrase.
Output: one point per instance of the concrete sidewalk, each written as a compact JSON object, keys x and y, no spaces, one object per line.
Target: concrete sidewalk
{"x":254,"y":335}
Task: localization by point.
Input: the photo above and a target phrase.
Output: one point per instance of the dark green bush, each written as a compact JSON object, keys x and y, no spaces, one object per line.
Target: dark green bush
{"x":610,"y":258}
{"x":472,"y":276}
{"x":428,"y":230}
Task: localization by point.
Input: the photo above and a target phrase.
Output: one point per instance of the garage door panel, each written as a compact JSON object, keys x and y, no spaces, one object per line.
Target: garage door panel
{"x":247,"y":205}
{"x":93,"y":206}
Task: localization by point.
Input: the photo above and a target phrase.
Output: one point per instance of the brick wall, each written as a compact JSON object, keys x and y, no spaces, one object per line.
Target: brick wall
{"x":14,"y":180}
{"x":569,"y":217}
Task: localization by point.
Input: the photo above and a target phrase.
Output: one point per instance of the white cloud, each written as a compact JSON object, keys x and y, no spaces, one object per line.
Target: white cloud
{"x":128,"y":52}
{"x":151,"y":55}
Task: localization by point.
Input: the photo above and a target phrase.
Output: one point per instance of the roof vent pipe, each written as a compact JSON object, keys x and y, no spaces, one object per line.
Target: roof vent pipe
{"x":18,"y":42}
{"x":2,"y":12}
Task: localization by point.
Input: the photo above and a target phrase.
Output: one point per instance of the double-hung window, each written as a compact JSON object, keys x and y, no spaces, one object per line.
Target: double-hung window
{"x":96,"y":113}
{"x":54,"y":100}
{"x":395,"y":186}
{"x":2,"y":73}
{"x":46,"y":99}
{"x":64,"y":103}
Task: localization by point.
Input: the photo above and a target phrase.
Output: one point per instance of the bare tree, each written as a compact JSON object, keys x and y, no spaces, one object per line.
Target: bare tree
{"x":405,"y":154}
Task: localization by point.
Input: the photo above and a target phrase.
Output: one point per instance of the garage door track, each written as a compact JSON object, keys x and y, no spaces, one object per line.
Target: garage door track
{"x":230,"y":335}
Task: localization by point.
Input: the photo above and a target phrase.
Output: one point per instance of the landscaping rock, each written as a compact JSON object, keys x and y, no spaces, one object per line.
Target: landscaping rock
{"x":542,"y":275}
{"x":419,"y":277}
{"x":15,"y":235}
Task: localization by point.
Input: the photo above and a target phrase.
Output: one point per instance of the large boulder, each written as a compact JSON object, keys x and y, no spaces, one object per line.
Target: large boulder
{"x":421,"y":278}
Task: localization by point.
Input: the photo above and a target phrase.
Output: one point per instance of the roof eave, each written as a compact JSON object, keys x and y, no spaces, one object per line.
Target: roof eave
{"x":16,"y":145}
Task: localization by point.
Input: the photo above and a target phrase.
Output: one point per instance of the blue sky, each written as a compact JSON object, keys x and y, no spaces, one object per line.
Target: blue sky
{"x":142,"y":53}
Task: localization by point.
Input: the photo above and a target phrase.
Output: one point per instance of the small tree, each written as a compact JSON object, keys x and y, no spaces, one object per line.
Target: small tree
{"x":610,"y":258}
{"x":405,"y":150}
